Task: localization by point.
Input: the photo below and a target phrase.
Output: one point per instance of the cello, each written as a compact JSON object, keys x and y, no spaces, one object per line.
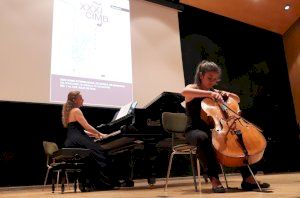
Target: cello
{"x":236,"y":141}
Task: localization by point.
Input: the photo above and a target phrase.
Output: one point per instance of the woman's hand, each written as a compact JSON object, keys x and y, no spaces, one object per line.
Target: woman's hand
{"x":103,"y":135}
{"x":217,"y":96}
{"x":224,"y":94}
{"x":100,"y":135}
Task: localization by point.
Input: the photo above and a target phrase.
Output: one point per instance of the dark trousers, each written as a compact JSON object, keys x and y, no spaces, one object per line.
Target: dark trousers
{"x":205,"y":152}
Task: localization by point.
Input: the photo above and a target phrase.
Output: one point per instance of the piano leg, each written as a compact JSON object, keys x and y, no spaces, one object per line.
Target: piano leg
{"x":123,"y":165}
{"x":128,"y":171}
{"x":131,"y":165}
{"x":150,"y":159}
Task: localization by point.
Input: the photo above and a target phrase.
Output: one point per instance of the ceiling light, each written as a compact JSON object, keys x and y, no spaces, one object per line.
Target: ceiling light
{"x":287,"y":7}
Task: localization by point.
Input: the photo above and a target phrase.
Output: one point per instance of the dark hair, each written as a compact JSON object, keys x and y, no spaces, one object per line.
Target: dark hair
{"x":203,"y":67}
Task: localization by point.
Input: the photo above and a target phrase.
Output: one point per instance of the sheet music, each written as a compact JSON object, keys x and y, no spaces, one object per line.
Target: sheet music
{"x":126,"y":109}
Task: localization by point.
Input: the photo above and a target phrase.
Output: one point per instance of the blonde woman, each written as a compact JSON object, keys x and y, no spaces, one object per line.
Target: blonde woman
{"x":98,"y":175}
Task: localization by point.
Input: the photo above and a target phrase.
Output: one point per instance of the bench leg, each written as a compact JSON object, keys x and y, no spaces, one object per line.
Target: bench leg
{"x":63,"y":179}
{"x":53,"y":182}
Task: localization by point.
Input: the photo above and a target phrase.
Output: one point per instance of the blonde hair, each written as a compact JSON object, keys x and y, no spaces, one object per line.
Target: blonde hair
{"x":68,"y":106}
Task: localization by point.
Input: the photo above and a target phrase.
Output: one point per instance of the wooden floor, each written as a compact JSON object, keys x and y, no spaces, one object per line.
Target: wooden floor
{"x":282,"y":185}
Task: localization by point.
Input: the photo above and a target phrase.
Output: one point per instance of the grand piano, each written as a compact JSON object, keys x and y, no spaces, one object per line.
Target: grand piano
{"x":141,"y":129}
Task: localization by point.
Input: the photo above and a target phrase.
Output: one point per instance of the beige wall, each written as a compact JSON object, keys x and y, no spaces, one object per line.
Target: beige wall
{"x":156,"y":52}
{"x":292,"y":50}
{"x":25,"y":50}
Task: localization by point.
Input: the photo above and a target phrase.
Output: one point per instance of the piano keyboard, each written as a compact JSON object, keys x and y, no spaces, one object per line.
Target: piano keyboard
{"x":108,"y":136}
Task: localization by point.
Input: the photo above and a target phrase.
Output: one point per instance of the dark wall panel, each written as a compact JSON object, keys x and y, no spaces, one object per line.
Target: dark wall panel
{"x":24,"y":126}
{"x":254,"y":67}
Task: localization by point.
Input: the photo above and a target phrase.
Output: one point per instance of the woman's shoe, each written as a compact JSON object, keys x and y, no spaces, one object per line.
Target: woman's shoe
{"x":125,"y":183}
{"x":218,"y":189}
{"x":249,"y":186}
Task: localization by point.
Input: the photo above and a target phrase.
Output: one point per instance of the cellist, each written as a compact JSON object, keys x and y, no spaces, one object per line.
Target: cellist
{"x":198,"y":131}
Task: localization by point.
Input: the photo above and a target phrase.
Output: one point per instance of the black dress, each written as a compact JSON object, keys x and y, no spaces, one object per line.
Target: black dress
{"x":98,"y":174}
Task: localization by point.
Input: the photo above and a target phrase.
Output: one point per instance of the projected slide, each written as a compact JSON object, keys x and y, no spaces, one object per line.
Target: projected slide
{"x":91,"y":51}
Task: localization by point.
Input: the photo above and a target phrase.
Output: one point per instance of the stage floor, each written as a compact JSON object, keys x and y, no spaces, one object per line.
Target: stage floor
{"x":282,"y":185}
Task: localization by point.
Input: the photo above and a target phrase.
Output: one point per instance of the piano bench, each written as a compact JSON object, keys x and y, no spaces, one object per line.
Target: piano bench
{"x":64,"y":169}
{"x":69,"y":160}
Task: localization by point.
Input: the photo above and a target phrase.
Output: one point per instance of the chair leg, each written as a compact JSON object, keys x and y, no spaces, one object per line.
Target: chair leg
{"x":198,"y":171}
{"x":224,"y":175}
{"x":193,"y":170}
{"x":66,"y":174}
{"x":169,"y":170}
{"x":254,"y":178}
{"x":45,"y":181}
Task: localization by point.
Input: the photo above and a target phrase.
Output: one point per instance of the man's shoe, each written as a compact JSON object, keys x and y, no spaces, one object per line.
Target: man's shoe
{"x":248,"y":186}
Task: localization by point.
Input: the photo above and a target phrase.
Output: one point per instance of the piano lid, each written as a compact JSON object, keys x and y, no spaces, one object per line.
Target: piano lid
{"x":165,"y":98}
